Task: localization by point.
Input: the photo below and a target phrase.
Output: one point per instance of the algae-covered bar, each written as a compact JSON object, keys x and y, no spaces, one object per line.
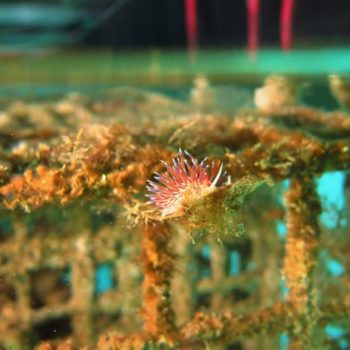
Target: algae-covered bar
{"x":135,"y":220}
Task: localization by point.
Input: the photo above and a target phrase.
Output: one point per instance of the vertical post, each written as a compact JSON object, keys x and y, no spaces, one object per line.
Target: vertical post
{"x":21,"y":280}
{"x":303,"y":209}
{"x":265,"y":256}
{"x":191,"y":26}
{"x":82,"y":290}
{"x":253,"y":9}
{"x":128,"y":273}
{"x":286,"y":22}
{"x":217,"y":263}
{"x":218,"y":298}
{"x":183,"y":285}
{"x":158,"y":266}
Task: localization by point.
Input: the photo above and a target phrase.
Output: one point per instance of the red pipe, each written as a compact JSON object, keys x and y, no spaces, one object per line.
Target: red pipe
{"x":253,"y":8}
{"x":191,"y":24}
{"x":286,"y":24}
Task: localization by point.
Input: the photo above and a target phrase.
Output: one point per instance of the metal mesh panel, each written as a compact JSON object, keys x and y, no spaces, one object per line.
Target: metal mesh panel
{"x":78,"y":212}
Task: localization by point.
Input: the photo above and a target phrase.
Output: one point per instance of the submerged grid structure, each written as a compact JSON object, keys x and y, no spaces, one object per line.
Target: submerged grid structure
{"x":85,"y":263}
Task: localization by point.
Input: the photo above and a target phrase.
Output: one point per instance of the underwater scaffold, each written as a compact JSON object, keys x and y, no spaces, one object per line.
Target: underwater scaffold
{"x":137,"y":221}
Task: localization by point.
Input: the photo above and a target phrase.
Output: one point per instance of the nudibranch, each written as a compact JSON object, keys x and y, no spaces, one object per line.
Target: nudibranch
{"x":183,"y":182}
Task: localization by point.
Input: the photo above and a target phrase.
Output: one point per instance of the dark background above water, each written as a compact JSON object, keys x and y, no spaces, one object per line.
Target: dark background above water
{"x":140,"y":24}
{"x":160,"y":23}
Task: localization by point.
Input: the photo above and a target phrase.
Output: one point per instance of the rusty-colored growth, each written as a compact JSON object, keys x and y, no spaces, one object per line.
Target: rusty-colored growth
{"x":300,"y":259}
{"x":72,"y":187}
{"x":158,"y":268}
{"x":302,"y":240}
